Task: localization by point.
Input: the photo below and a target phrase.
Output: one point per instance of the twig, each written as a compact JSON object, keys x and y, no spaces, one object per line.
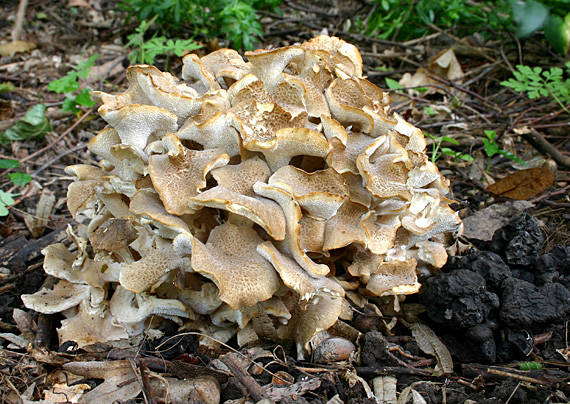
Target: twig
{"x":19,"y":23}
{"x":514,"y":376}
{"x":244,"y":378}
{"x":513,"y":393}
{"x":147,"y":388}
{"x":543,"y":146}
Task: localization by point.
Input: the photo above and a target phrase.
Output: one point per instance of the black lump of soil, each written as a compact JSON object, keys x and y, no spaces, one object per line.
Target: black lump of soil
{"x":488,"y":304}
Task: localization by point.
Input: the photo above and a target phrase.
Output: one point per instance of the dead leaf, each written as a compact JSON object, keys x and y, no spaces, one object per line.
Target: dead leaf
{"x":120,"y":381}
{"x":385,"y":389}
{"x":78,"y":3}
{"x":523,"y":184}
{"x":444,"y":64}
{"x":408,"y":393}
{"x":430,"y":343}
{"x":483,"y":224}
{"x":204,"y":389}
{"x":62,"y":393}
{"x":37,"y":224}
{"x":11,"y":48}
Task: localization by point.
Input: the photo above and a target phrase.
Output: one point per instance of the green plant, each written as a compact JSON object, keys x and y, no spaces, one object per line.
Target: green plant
{"x":236,"y":20}
{"x":492,"y":148}
{"x":69,"y":85}
{"x":17,"y":179}
{"x":537,"y":82}
{"x":403,"y":20}
{"x":146,"y":51}
{"x":34,"y":125}
{"x":551,"y":15}
{"x":437,"y":151}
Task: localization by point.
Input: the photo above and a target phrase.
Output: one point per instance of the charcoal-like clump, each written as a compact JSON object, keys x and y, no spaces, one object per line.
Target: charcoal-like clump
{"x":520,"y":241}
{"x":491,"y":267}
{"x":458,"y":299}
{"x":525,"y":305}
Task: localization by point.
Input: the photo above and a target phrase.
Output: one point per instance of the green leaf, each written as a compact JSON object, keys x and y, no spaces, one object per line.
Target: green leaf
{"x":429,"y":111}
{"x":65,"y":84}
{"x":19,"y":179}
{"x":557,"y":31}
{"x":7,"y":198}
{"x":491,"y":148}
{"x":84,"y":98}
{"x":9,"y":163}
{"x":36,"y":114}
{"x":34,"y":125}
{"x":393,"y":84}
{"x":7,"y":87}
{"x":449,"y":139}
{"x":529,"y":15}
{"x":85,"y":66}
{"x":69,"y":105}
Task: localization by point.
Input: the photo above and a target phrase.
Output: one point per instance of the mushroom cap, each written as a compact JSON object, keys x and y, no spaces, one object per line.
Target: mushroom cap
{"x":136,"y":124}
{"x":319,"y":193}
{"x":63,"y":296}
{"x":394,"y":278}
{"x":181,"y":174}
{"x":291,"y":142}
{"x":147,"y":204}
{"x":215,"y":132}
{"x":88,"y":327}
{"x":113,"y":235}
{"x":293,"y":215}
{"x":242,"y":276}
{"x":141,"y":275}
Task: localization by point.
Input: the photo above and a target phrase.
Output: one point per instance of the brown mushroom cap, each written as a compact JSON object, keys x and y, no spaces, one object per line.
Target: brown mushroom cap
{"x":293,"y":215}
{"x":394,"y":278}
{"x":136,"y":124}
{"x":181,"y":174}
{"x":229,"y":259}
{"x":319,"y":193}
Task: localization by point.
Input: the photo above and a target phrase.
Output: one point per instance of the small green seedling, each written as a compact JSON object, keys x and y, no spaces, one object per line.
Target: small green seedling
{"x":69,"y":85}
{"x":146,"y":51}
{"x":491,"y":148}
{"x":18,"y":179}
{"x":437,"y":151}
{"x":530,"y":366}
{"x":34,"y":125}
{"x":537,"y":82}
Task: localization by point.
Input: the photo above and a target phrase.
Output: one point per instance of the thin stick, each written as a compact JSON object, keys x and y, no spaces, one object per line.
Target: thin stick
{"x":244,"y":378}
{"x":19,"y":23}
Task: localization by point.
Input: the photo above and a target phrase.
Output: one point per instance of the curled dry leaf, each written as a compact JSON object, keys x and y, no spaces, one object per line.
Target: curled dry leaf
{"x":222,"y":201}
{"x":430,"y":343}
{"x":524,"y":184}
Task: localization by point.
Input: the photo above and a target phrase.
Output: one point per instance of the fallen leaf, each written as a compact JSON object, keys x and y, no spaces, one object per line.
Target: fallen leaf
{"x":444,"y":64}
{"x":11,"y":48}
{"x":483,"y":224}
{"x":120,"y":381}
{"x":523,"y":184}
{"x":385,"y":389}
{"x":430,"y":343}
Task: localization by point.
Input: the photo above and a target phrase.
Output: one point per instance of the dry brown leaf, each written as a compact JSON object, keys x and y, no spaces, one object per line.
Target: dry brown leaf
{"x":430,"y":343}
{"x":11,"y":48}
{"x":523,"y":184}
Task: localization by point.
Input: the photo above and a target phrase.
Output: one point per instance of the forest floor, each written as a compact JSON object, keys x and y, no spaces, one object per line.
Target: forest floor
{"x":526,"y":243}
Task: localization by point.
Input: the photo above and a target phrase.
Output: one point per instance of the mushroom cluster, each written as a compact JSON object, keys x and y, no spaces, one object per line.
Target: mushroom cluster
{"x":259,"y":199}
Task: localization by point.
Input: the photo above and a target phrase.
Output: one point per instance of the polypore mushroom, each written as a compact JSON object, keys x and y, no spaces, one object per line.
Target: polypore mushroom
{"x":247,"y":199}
